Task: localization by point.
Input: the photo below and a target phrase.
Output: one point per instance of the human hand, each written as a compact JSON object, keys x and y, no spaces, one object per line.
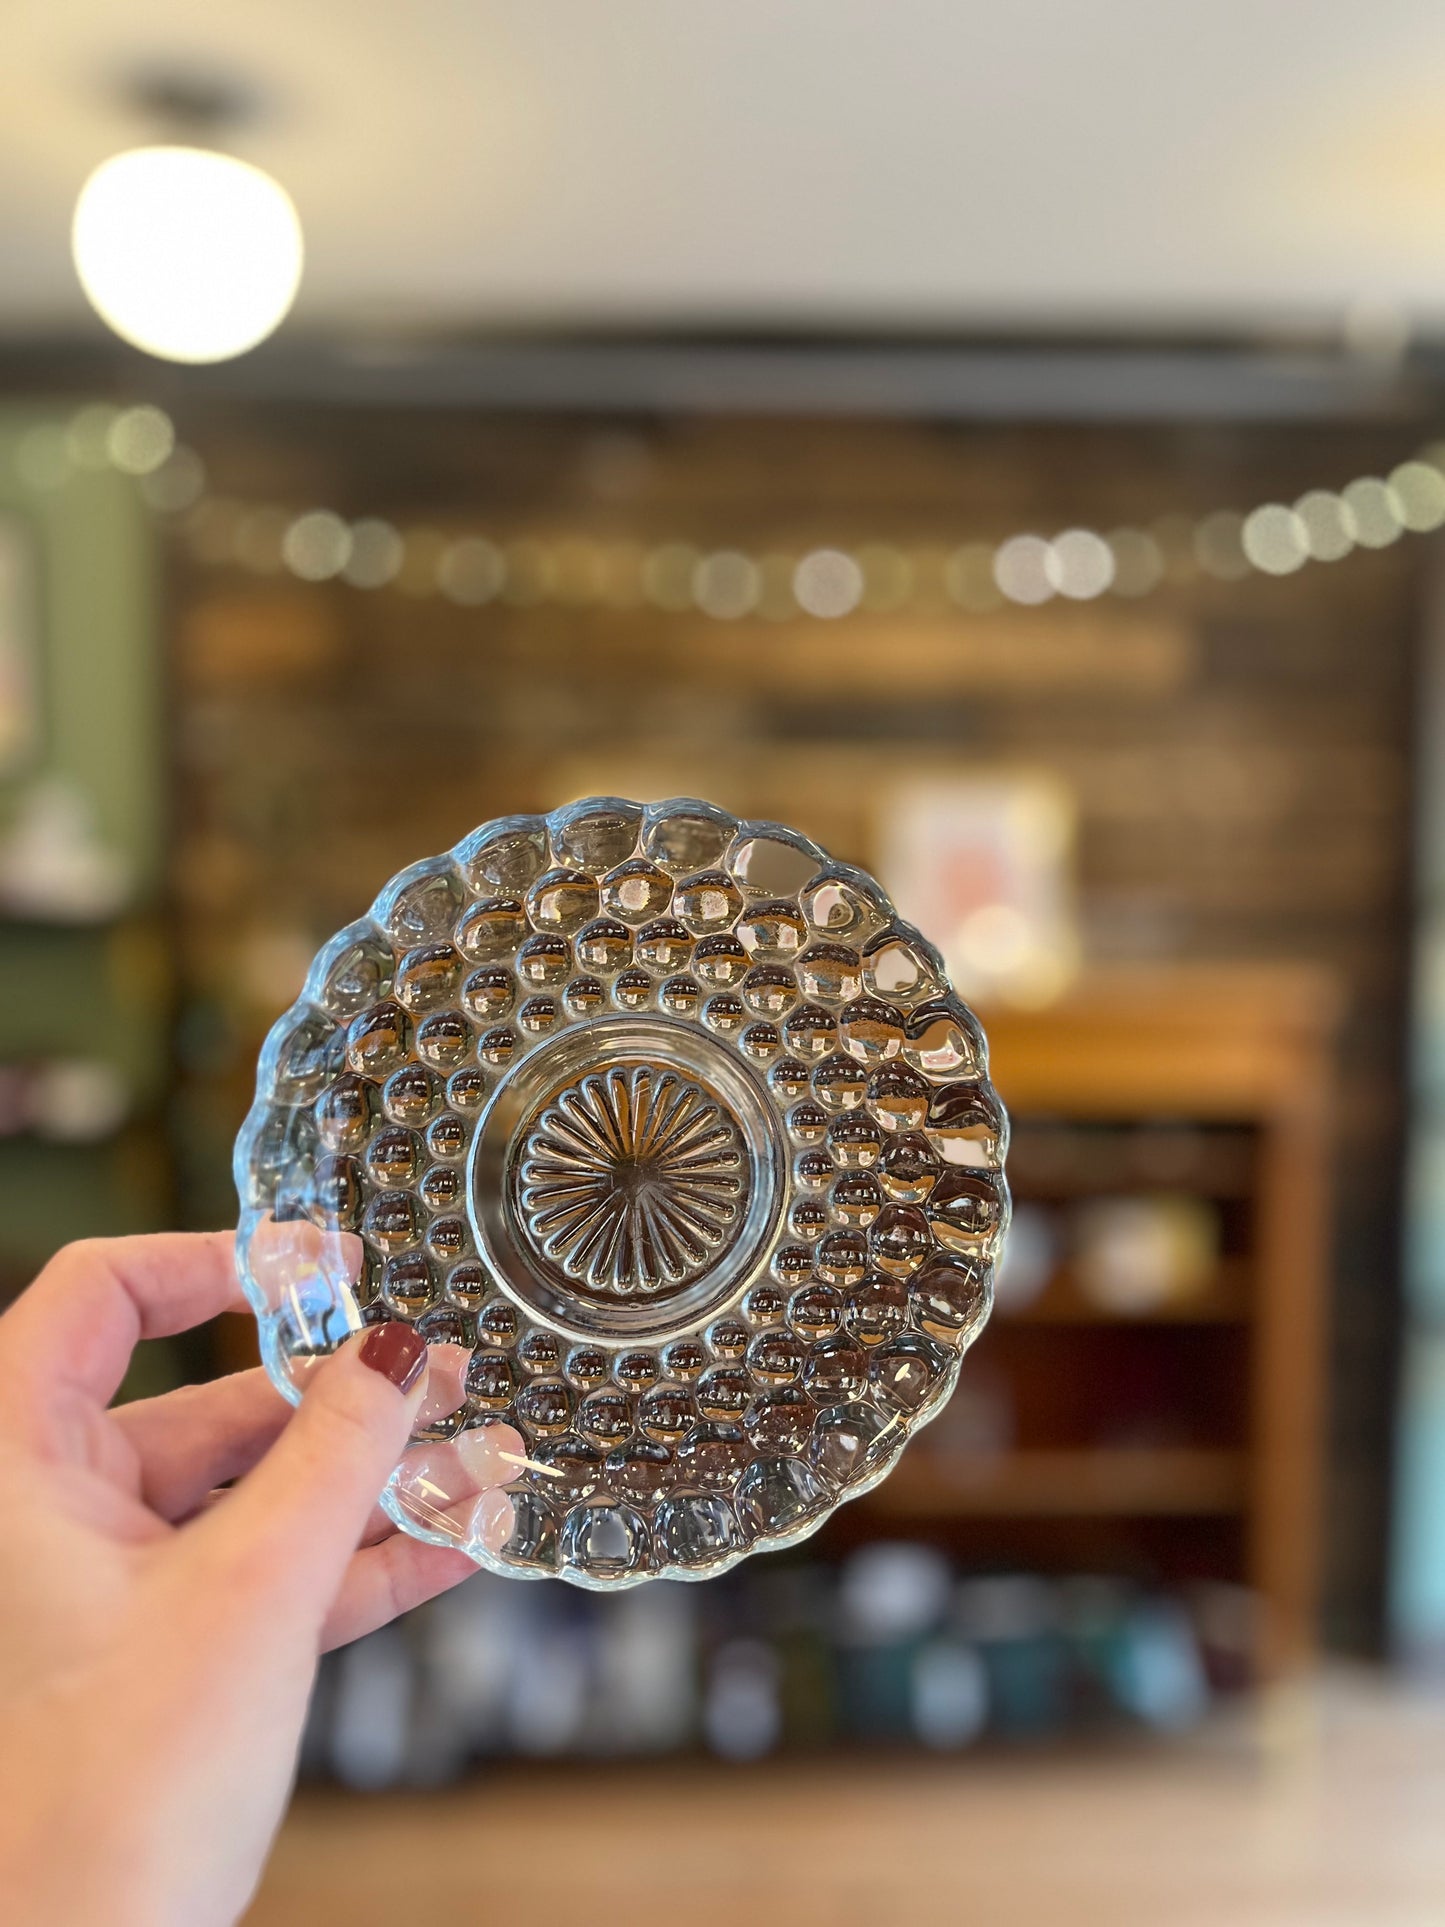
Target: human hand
{"x":158,"y":1640}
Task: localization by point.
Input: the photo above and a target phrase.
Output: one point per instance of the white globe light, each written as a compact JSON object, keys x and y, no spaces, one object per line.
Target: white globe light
{"x":188,"y":254}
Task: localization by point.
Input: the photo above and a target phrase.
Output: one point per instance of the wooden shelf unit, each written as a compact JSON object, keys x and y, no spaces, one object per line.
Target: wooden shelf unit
{"x":1141,"y":1482}
{"x":1223,"y":1301}
{"x":1247,"y":1047}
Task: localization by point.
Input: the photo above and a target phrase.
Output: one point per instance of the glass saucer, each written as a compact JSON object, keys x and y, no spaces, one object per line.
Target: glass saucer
{"x":675,"y":1144}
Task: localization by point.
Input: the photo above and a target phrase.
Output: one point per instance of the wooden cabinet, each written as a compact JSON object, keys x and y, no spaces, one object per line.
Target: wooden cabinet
{"x":1184,"y":1440}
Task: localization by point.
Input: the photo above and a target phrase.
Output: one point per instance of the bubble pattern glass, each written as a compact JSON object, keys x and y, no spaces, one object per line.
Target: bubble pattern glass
{"x":673,"y":1141}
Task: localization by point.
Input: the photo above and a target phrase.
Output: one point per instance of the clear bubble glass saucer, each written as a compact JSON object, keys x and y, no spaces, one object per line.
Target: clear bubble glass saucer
{"x":677,"y":1147}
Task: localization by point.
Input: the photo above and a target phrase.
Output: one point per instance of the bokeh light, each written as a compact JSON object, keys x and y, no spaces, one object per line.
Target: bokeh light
{"x":1080,"y":564}
{"x":969,"y":575}
{"x":577,"y":569}
{"x":667,"y":576}
{"x":1274,"y":539}
{"x":471,"y":571}
{"x":725,"y":585}
{"x":140,"y":440}
{"x":88,"y":436}
{"x":178,"y":484}
{"x":1374,"y":514}
{"x":316,"y":546}
{"x":1418,"y":492}
{"x":828,"y":583}
{"x":376,"y":554}
{"x":1329,"y":532}
{"x":1021,"y":569}
{"x":1138,"y":562}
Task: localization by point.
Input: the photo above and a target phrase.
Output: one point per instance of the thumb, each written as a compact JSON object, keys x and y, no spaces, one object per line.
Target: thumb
{"x":294,"y":1521}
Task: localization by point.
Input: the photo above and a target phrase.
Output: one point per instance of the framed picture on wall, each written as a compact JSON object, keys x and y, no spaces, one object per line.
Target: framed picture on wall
{"x":984,"y":864}
{"x":20,"y":717}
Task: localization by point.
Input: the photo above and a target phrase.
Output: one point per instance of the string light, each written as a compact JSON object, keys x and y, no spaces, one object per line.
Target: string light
{"x":1418,"y":491}
{"x":1080,"y":564}
{"x":472,"y":571}
{"x":668,"y":574}
{"x":1375,"y":518}
{"x":140,"y":440}
{"x":376,"y":555}
{"x":1138,"y":562}
{"x":1021,"y":569}
{"x":1273,"y":539}
{"x":177,"y":485}
{"x":1327,"y":525}
{"x":968,"y":576}
{"x":317,"y":545}
{"x":728,"y":585}
{"x":828,"y":583}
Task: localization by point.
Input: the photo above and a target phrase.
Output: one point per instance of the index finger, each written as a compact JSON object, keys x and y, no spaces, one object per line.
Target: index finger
{"x":71,"y":1334}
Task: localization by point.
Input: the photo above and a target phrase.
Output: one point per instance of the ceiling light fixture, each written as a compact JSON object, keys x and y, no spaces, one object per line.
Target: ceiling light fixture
{"x":189,"y":254}
{"x":185,"y":250}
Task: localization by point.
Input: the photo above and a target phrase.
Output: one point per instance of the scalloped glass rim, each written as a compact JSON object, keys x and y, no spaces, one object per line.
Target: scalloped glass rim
{"x":767,"y":862}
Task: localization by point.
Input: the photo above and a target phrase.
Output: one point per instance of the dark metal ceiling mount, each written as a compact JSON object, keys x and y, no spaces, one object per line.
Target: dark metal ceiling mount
{"x":898,"y":377}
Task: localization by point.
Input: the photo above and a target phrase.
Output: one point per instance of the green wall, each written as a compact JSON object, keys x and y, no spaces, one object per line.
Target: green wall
{"x":96,"y":990}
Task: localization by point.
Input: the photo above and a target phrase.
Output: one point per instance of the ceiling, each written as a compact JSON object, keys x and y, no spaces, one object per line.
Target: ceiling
{"x":1166,"y":164}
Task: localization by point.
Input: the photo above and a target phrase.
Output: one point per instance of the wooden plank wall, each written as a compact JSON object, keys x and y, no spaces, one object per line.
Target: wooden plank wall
{"x":1239,"y":752}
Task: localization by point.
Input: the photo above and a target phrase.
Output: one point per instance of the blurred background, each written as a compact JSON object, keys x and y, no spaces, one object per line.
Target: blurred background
{"x":1006,"y":444}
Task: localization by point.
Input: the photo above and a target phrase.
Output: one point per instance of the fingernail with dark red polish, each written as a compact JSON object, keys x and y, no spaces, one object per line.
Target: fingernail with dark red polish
{"x":395,"y":1351}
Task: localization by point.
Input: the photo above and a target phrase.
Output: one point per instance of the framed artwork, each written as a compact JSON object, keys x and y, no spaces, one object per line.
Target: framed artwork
{"x":984,"y":864}
{"x":20,"y":717}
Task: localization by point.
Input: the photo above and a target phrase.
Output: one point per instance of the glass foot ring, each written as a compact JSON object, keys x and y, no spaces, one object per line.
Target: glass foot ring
{"x":677,"y":1147}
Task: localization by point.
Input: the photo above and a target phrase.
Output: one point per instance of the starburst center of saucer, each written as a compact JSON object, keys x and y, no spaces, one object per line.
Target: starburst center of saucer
{"x":633,"y":1180}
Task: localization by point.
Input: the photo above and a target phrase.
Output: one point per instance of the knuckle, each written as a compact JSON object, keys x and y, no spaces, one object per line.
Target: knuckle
{"x":82,"y":1255}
